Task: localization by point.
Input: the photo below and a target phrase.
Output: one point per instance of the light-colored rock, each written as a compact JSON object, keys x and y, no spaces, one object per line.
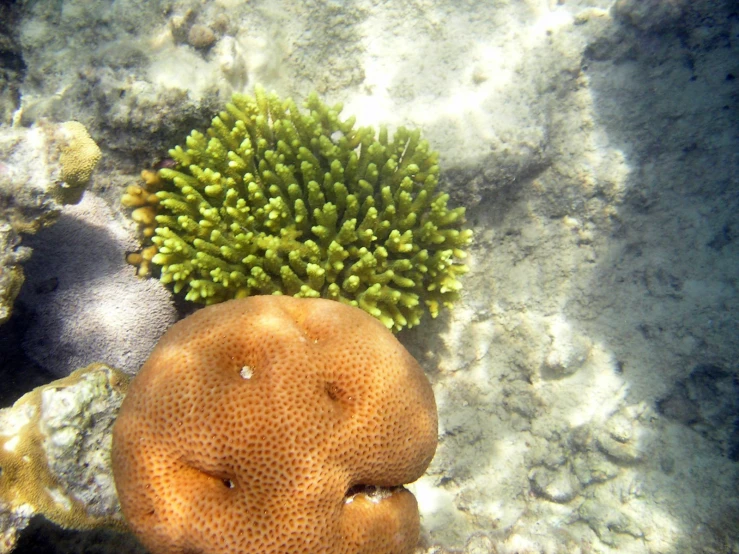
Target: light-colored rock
{"x":201,"y":36}
{"x":55,"y":454}
{"x":568,"y":351}
{"x":31,"y":195}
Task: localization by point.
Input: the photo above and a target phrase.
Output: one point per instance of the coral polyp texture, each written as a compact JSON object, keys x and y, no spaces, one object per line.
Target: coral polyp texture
{"x":275,"y":425}
{"x":275,"y":200}
{"x":79,"y":157}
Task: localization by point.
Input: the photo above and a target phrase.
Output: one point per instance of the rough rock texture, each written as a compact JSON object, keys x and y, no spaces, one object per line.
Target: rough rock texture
{"x":33,"y":163}
{"x":275,"y":424}
{"x":12,"y":67}
{"x":602,"y":298}
{"x":128,"y":59}
{"x":12,"y":255}
{"x":55,"y":456}
{"x":28,"y":201}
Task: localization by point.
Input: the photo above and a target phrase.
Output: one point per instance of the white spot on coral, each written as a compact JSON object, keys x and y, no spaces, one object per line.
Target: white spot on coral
{"x":336,"y":136}
{"x":378,"y":494}
{"x":11,"y":444}
{"x":374,"y":494}
{"x":60,"y":498}
{"x":246,"y":372}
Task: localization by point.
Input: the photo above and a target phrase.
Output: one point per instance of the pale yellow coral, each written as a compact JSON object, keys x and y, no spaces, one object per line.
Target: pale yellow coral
{"x":145,"y":203}
{"x":79,"y":156}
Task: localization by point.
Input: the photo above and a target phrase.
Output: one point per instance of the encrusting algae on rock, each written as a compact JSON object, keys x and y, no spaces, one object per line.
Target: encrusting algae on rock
{"x":272,"y":200}
{"x":55,"y":454}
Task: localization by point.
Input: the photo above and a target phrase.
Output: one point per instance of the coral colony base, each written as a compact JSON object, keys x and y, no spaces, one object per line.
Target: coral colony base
{"x":272,"y":200}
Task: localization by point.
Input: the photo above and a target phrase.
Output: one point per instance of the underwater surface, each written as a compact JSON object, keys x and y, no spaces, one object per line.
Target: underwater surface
{"x":582,"y":265}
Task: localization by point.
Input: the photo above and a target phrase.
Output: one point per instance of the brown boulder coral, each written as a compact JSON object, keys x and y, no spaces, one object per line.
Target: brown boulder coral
{"x":275,"y":424}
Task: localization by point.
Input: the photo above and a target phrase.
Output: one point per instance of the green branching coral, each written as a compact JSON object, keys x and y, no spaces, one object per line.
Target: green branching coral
{"x":272,"y":200}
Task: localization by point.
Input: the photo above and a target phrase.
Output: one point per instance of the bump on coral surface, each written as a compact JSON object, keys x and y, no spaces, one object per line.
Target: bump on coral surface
{"x":275,"y":424}
{"x":272,"y":200}
{"x":54,"y":452}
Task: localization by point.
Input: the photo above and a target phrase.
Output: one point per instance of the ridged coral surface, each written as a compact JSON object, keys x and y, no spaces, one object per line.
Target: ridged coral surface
{"x":275,"y":425}
{"x":78,"y":159}
{"x":272,"y":199}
